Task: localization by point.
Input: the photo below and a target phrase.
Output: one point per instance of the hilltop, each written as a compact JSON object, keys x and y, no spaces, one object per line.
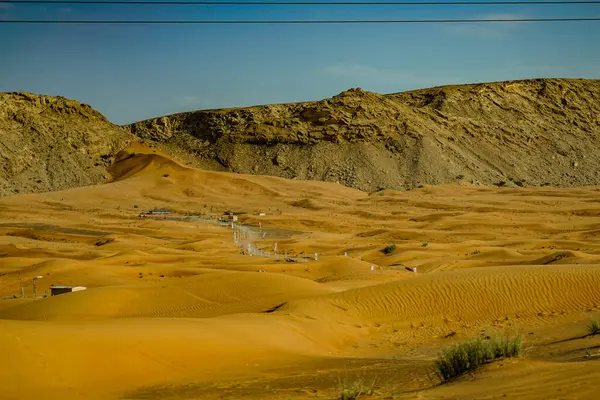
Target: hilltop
{"x":538,"y":132}
{"x":49,"y":143}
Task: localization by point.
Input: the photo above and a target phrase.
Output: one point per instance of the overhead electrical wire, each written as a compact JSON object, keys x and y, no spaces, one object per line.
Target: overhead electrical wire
{"x":311,"y":3}
{"x":263,"y":22}
{"x":298,"y":3}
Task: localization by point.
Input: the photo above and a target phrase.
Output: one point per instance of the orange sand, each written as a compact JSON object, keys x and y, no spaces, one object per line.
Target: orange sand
{"x":173,"y":310}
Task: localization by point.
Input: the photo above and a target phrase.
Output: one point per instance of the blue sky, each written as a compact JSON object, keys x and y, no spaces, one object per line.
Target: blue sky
{"x":134,"y":72}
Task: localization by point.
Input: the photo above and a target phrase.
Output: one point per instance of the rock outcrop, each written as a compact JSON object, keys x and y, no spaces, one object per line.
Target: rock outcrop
{"x":540,"y":132}
{"x":51,"y":143}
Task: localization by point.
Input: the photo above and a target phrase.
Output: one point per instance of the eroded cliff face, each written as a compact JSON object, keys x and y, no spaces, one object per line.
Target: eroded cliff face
{"x":534,"y":132}
{"x":50,"y":143}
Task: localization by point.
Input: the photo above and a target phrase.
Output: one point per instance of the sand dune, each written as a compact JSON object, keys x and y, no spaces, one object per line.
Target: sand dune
{"x":209,"y":294}
{"x":101,"y":360}
{"x":174,"y":310}
{"x":471,"y":296}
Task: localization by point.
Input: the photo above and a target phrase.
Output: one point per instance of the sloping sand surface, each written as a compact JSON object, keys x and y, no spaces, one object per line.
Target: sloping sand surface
{"x":465,"y":298}
{"x":175,"y":309}
{"x":206,"y":295}
{"x":525,"y":380}
{"x":93,"y":360}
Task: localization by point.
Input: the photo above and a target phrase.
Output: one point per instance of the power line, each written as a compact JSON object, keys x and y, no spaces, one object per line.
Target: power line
{"x":263,"y":22}
{"x":312,"y":3}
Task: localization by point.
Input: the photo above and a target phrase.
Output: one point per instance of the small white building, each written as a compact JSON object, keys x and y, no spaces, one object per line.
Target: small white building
{"x":56,"y":290}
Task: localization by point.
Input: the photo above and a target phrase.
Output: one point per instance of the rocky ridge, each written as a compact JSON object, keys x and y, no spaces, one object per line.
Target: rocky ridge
{"x":539,"y":132}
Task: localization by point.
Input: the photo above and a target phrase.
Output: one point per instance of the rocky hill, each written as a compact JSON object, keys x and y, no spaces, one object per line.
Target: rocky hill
{"x":50,"y":143}
{"x":541,"y":132}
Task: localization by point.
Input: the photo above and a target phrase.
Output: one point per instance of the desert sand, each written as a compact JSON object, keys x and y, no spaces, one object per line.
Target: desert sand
{"x":174,"y":310}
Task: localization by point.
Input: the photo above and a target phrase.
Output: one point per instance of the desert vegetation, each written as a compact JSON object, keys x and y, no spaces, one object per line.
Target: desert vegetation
{"x":355,"y":388}
{"x":593,"y":328}
{"x":465,"y":357}
{"x":389,"y":249}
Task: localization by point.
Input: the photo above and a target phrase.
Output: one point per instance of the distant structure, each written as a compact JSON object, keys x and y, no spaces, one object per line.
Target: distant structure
{"x":155,"y":212}
{"x":229,"y":216}
{"x":56,"y":290}
{"x":159,"y":211}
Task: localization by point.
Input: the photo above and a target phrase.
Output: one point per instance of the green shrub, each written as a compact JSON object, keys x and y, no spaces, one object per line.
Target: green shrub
{"x":464,"y":357}
{"x":353,"y":390}
{"x":350,"y":393}
{"x":594,"y":328}
{"x":507,"y":347}
{"x":389,"y":249}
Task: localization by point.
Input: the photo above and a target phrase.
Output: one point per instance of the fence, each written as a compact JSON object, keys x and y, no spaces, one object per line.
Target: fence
{"x":245,"y":236}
